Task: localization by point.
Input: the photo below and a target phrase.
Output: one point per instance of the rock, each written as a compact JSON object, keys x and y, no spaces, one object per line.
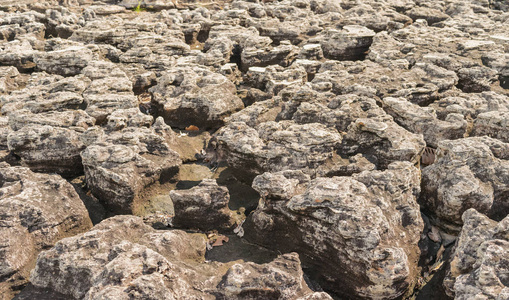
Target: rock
{"x":417,"y":119}
{"x":204,"y":207}
{"x":468,"y":173}
{"x":275,"y":146}
{"x":66,"y":62}
{"x":109,"y":90}
{"x":382,"y":141}
{"x":122,"y":257}
{"x":282,"y":55}
{"x":193,"y":95}
{"x":351,"y":43}
{"x":350,"y":222}
{"x":9,"y":79}
{"x":120,"y":164}
{"x":37,"y":210}
{"x":477,"y":268}
{"x":48,"y":149}
{"x":492,"y":124}
{"x":46,"y":93}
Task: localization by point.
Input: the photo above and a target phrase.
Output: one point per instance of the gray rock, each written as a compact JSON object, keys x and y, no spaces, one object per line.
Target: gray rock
{"x":382,"y":141}
{"x":424,"y":120}
{"x":478,"y":267}
{"x":468,"y":173}
{"x":65,"y":62}
{"x":46,"y":93}
{"x":121,"y":257}
{"x":48,"y":149}
{"x":193,"y":95}
{"x":204,"y":207}
{"x":120,"y":164}
{"x":109,"y":90}
{"x":493,"y":124}
{"x":357,"y":226}
{"x":37,"y":211}
{"x":276,"y":146}
{"x":351,"y":43}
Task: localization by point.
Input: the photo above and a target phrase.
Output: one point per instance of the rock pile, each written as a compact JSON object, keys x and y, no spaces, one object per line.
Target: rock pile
{"x":310,"y":148}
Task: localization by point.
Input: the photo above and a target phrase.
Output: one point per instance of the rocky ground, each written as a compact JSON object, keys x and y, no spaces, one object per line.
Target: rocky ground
{"x":293,"y":149}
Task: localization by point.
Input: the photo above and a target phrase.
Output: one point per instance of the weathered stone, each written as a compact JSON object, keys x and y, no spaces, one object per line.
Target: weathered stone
{"x":120,"y":164}
{"x":276,"y":146}
{"x":356,"y":225}
{"x":121,"y":257}
{"x":478,"y":264}
{"x":193,"y":95}
{"x":204,"y":207}
{"x":351,"y":43}
{"x":65,"y":62}
{"x":424,"y":120}
{"x":37,"y":211}
{"x":468,"y":173}
{"x":109,"y":90}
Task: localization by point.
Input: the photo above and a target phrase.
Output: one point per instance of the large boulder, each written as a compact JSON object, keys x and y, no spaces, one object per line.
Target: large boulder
{"x":204,"y":206}
{"x":193,"y":95}
{"x":468,"y":173}
{"x":37,"y":210}
{"x":123,"y":258}
{"x":479,"y":263}
{"x":119,"y":164}
{"x":364,"y":228}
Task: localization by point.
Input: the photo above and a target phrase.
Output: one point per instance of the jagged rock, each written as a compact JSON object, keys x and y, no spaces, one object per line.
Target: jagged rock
{"x":424,"y":120}
{"x":193,"y":95}
{"x":282,"y":55}
{"x":351,"y":43}
{"x":48,"y":148}
{"x":276,"y":146}
{"x":422,"y":84}
{"x":493,"y":124}
{"x":37,"y":211}
{"x":109,"y":90}
{"x":122,"y":257}
{"x":382,"y":141}
{"x":478,"y":267}
{"x":274,"y":79}
{"x":9,"y":79}
{"x":356,"y":225}
{"x":18,"y":53}
{"x":468,"y":173}
{"x":120,"y":164}
{"x":65,"y":62}
{"x":46,"y":93}
{"x":204,"y":207}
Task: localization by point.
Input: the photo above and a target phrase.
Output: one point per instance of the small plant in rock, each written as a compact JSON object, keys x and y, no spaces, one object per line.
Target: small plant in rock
{"x":138,"y":8}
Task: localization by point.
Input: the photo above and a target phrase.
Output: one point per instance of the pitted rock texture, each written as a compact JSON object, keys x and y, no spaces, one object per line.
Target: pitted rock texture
{"x":204,"y":206}
{"x":36,"y":211}
{"x":122,"y":257}
{"x":120,"y":163}
{"x":469,"y":173}
{"x":363,"y":227}
{"x":193,"y":95}
{"x":133,"y":100}
{"x":479,"y":263}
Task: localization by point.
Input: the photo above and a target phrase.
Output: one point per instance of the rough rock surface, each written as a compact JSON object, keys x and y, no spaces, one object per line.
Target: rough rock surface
{"x":363,"y":227}
{"x":192,"y":95}
{"x":121,"y":258}
{"x":204,"y":206}
{"x":469,"y":173}
{"x":133,"y":100}
{"x":120,"y":163}
{"x":37,"y":211}
{"x":479,"y":263}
